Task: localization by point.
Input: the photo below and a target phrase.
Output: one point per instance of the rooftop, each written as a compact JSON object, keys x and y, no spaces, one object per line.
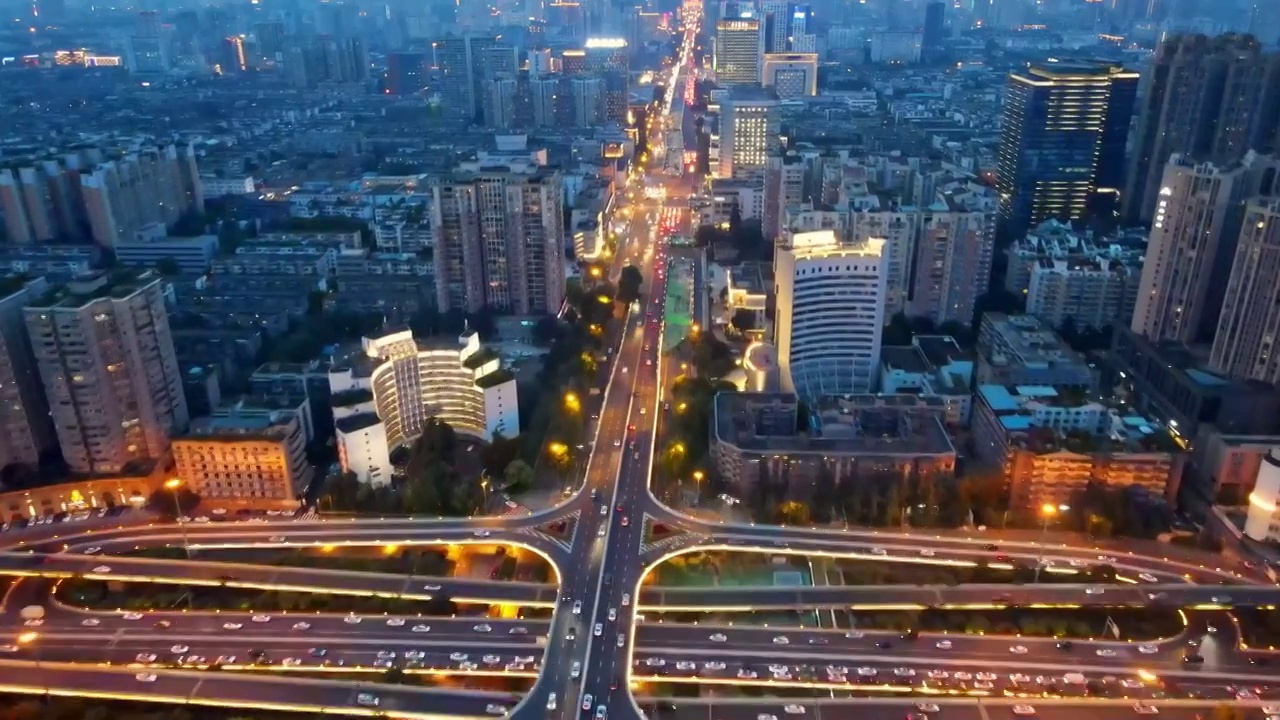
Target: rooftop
{"x":899,"y":425}
{"x":116,"y":284}
{"x":1023,"y":340}
{"x":234,"y":427}
{"x":356,"y":423}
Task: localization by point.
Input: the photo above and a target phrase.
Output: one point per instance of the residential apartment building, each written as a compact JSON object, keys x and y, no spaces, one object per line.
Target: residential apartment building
{"x":106,"y":360}
{"x":899,"y":437}
{"x":124,"y":195}
{"x":1053,"y":441}
{"x":244,"y":457}
{"x":1247,"y":341}
{"x":499,"y":240}
{"x":1023,"y":350}
{"x":26,"y":433}
{"x":829,"y":314}
{"x":932,"y":365}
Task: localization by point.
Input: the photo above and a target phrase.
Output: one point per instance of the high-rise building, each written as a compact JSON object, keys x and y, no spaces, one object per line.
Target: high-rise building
{"x":270,"y":37}
{"x":499,"y":240}
{"x":777,"y":23}
{"x":1191,"y":247}
{"x":1247,"y":342}
{"x":152,"y":185}
{"x":829,"y":314}
{"x":934,"y":28}
{"x":26,"y":432}
{"x":106,"y":359}
{"x":466,"y":63}
{"x":750,"y":123}
{"x":791,"y":74}
{"x":1062,"y":141}
{"x":406,"y":72}
{"x":585,"y":98}
{"x":608,"y":59}
{"x":38,"y":202}
{"x":739,"y":52}
{"x":1205,"y":99}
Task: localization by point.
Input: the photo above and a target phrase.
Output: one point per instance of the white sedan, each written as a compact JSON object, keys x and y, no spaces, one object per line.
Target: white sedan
{"x":943,"y":644}
{"x":1018,"y":650}
{"x":718,"y":637}
{"x":793,"y":709}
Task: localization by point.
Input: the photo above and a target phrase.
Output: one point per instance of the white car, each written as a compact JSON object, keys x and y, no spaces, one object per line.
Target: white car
{"x":302,"y":626}
{"x":781,"y":640}
{"x":747,"y":674}
{"x":291,"y":662}
{"x":278,"y":538}
{"x":597,"y":629}
{"x":179,"y":649}
{"x":467,"y":666}
{"x":145,"y":657}
{"x":431,"y":588}
{"x":33,"y":622}
{"x":261,"y":618}
{"x":92,"y":550}
{"x":926,"y":552}
{"x":1023,"y":710}
{"x":878,"y":551}
{"x":395,"y":622}
{"x":367,"y":700}
{"x":577,"y":608}
{"x":386,"y":655}
{"x":481,"y":533}
{"x":490,"y":659}
{"x":613,"y":614}
{"x":604,"y":509}
{"x":718,"y":637}
{"x":1018,"y":650}
{"x":145,"y":677}
{"x":102,"y":569}
{"x":943,"y":645}
{"x":421,"y":628}
{"x":867,"y":672}
{"x":1148,"y":577}
{"x":927,"y":707}
{"x":686,"y":665}
{"x":90,"y":622}
{"x":626,"y":599}
{"x":1148,"y":649}
{"x":458,"y":657}
{"x":655,"y":662}
{"x":483,"y":627}
{"x":766,"y":716}
{"x":586,"y":701}
{"x":904,"y":672}
{"x":576,"y":671}
{"x":494,"y":709}
{"x":622,"y":639}
{"x":352,"y":619}
{"x":1095,"y":590}
{"x":938,"y":674}
{"x":854,"y":635}
{"x":1143,"y":709}
{"x":1106,"y":653}
{"x":231,"y":626}
{"x":986,"y":676}
{"x":793,"y":709}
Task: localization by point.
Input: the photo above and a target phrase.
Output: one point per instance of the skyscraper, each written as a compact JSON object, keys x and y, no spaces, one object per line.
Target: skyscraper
{"x":1205,"y":99}
{"x":406,"y":72}
{"x":151,"y":185}
{"x":106,"y":359}
{"x":749,"y":126}
{"x":830,"y":314}
{"x":608,"y":59}
{"x":499,"y":236}
{"x":465,"y":63}
{"x":934,"y":19}
{"x":26,"y":432}
{"x":1062,"y":141}
{"x":1247,"y":341}
{"x":1191,"y":247}
{"x":739,"y":52}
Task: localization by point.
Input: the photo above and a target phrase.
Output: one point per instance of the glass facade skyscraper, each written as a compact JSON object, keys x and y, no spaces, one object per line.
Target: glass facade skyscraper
{"x":1062,"y":144}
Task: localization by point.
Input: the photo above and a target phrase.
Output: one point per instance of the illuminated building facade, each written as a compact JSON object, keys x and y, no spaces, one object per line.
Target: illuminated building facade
{"x":244,"y":457}
{"x":829,"y":314}
{"x":791,"y":74}
{"x":739,"y":51}
{"x":1062,"y":144}
{"x":384,"y":399}
{"x":749,"y":131}
{"x":607,"y":58}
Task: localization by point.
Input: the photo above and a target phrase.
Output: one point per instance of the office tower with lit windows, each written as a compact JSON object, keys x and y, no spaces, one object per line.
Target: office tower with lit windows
{"x":1192,"y":245}
{"x":750,"y":122}
{"x":499,"y":237}
{"x":739,"y":51}
{"x":1062,"y":142}
{"x":791,"y":75}
{"x":1204,"y":99}
{"x":829,"y":314}
{"x":406,"y":72}
{"x":607,"y":59}
{"x":1247,"y":341}
{"x":106,"y":360}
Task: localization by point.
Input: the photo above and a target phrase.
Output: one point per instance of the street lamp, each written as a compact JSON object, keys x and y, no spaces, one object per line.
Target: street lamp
{"x":172,"y":485}
{"x":1047,"y":512}
{"x":571,"y":402}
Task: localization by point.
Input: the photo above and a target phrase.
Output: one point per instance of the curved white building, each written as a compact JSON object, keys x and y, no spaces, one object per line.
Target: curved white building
{"x":1263,"y":522}
{"x":385,"y":400}
{"x":830,"y":314}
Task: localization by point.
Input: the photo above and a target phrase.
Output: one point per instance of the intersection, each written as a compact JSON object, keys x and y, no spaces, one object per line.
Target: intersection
{"x":598,"y":574}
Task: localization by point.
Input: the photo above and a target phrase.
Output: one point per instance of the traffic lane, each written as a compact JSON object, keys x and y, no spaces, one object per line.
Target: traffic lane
{"x":795,"y":538}
{"x":800,"y":640}
{"x":179,"y":572}
{"x":301,"y":625}
{"x":909,"y":669}
{"x":774,"y":708}
{"x":973,"y":596}
{"x":320,"y":654}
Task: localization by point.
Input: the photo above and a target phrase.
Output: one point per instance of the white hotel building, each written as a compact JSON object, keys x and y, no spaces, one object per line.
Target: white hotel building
{"x":830,"y":314}
{"x":386,"y":399}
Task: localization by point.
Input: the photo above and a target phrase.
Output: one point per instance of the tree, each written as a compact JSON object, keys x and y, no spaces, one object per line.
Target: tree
{"x":499,"y":454}
{"x":629,"y":283}
{"x":168,"y":503}
{"x":744,"y":319}
{"x":518,"y":476}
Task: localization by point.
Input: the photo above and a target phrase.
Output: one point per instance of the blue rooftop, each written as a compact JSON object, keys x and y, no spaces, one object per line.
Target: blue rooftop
{"x":998,"y":397}
{"x":1205,"y":378}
